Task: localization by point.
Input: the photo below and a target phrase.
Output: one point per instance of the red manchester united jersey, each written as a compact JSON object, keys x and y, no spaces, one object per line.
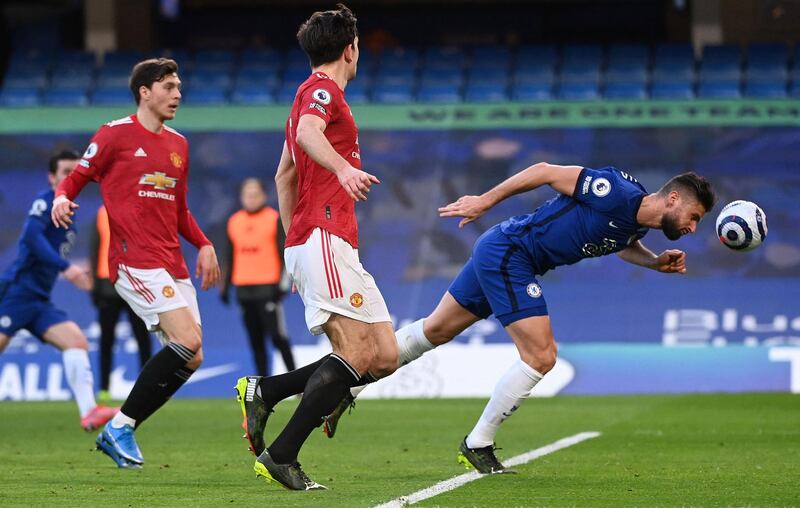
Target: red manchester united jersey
{"x":321,"y":200}
{"x":143,"y":180}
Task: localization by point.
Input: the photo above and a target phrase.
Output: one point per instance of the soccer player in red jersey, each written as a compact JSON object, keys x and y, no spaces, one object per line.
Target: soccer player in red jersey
{"x":319,"y":178}
{"x":142,"y":167}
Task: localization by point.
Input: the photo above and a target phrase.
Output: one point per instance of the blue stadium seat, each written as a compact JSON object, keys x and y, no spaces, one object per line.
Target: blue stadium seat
{"x":357,"y":91}
{"x":580,"y":72}
{"x":578,"y":91}
{"x":719,"y":90}
{"x":214,"y":56}
{"x":260,"y":58}
{"x":535,"y":74}
{"x":535,"y":56}
{"x":476,"y":92}
{"x":674,"y":52}
{"x":672,"y":90}
{"x":439,"y":93}
{"x":589,"y":53}
{"x":252,"y":95}
{"x":208,"y":79}
{"x":404,"y":59}
{"x":440,"y":77}
{"x":794,"y":88}
{"x":112,"y":96}
{"x":532,"y":92}
{"x":37,"y":81}
{"x":181,"y":56}
{"x":727,"y":53}
{"x":295,"y":57}
{"x":110,"y":77}
{"x":82,"y":82}
{"x":295,"y":76}
{"x":720,"y":70}
{"x":266,"y":78}
{"x":487,"y":78}
{"x":766,"y":89}
{"x":80,"y":59}
{"x":205,"y":96}
{"x":625,"y":90}
{"x":624,"y":70}
{"x":286,"y":92}
{"x":490,"y":59}
{"x":20,"y":97}
{"x":445,"y":58}
{"x":392,"y":94}
{"x":66,"y":97}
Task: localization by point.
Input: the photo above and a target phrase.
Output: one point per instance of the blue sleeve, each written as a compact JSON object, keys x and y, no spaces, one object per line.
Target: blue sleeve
{"x":604,"y":189}
{"x":34,"y":238}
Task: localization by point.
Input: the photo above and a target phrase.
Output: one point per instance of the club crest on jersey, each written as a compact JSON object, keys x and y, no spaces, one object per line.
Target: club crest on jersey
{"x":176,"y":160}
{"x":158,"y":180}
{"x":91,"y":151}
{"x":601,"y":187}
{"x":356,"y":300}
{"x":168,"y":291}
{"x":322,"y":96}
{"x":534,"y":290}
{"x":5,"y":321}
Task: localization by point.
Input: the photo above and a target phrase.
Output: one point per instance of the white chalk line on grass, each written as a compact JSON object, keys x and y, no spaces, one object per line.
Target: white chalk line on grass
{"x":460,"y":480}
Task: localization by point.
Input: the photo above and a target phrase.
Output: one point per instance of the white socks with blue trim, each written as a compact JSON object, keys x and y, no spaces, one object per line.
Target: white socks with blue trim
{"x":509,"y":393}
{"x":80,"y":378}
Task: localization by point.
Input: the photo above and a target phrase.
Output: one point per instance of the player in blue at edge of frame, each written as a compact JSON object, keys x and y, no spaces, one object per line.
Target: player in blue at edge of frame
{"x":597,"y":212}
{"x":25,"y":289}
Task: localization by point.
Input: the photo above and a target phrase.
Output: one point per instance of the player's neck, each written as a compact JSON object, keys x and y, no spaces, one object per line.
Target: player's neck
{"x":149,"y":120}
{"x":650,"y":211}
{"x":335,"y":71}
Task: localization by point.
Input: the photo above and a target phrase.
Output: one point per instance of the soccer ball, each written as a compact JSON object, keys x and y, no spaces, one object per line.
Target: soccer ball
{"x":742,"y":225}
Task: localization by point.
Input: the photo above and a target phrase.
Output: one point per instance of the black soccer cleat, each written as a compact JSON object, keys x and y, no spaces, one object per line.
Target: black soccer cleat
{"x":291,"y":476}
{"x":255,"y":412}
{"x":330,"y":422}
{"x":482,"y":459}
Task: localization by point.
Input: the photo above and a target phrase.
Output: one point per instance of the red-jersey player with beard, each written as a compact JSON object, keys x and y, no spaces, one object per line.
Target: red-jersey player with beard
{"x":143,"y":168}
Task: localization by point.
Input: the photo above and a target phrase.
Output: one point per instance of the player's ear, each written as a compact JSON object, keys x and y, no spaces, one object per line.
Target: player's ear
{"x":673,"y":198}
{"x":349,"y":53}
{"x":144,"y":92}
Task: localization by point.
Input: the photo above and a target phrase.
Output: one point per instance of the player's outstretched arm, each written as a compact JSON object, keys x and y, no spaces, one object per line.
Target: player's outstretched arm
{"x":669,"y":261}
{"x":561,"y":178}
{"x":311,"y":138}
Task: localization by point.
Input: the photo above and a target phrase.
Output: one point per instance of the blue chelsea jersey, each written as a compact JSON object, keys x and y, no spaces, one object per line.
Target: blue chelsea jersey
{"x":42,"y":252}
{"x":598,"y":219}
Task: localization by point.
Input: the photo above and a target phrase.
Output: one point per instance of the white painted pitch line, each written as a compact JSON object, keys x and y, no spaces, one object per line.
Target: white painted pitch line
{"x":460,"y":480}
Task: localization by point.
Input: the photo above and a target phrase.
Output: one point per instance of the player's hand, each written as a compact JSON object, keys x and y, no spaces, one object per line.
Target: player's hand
{"x":469,"y":207}
{"x":356,"y":182}
{"x":671,"y":261}
{"x":79,"y":277}
{"x":207,"y":267}
{"x":62,"y":212}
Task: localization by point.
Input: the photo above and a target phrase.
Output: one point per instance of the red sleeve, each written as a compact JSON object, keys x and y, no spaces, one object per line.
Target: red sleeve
{"x":187,"y":226}
{"x":320,"y":99}
{"x":92,"y":166}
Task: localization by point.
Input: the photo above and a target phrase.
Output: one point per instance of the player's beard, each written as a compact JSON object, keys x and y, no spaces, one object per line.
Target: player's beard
{"x":669,"y":225}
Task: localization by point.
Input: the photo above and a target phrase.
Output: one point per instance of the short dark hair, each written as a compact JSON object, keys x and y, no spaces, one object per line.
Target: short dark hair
{"x":326,"y":34}
{"x":62,"y":155}
{"x":253,"y":180}
{"x":147,"y":72}
{"x":694,"y":184}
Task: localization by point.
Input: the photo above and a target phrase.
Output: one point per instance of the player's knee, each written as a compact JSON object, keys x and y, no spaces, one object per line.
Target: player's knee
{"x":385,"y":364}
{"x":195,"y":362}
{"x":77,"y":342}
{"x":191,"y":337}
{"x":437,"y":331}
{"x":542,"y":360}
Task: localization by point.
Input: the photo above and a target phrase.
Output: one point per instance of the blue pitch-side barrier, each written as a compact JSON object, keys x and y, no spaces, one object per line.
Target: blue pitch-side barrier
{"x":731,"y":324}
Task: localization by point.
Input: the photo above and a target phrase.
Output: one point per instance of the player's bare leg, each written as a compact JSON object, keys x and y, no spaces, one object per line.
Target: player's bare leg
{"x":533,"y":337}
{"x":74,"y":347}
{"x":4,"y":340}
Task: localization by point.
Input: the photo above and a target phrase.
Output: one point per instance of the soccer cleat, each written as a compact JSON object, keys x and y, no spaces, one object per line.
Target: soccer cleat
{"x":98,"y":417}
{"x":330,"y":422}
{"x":290,"y":476}
{"x":482,"y":459}
{"x":120,"y":445}
{"x":254,"y":411}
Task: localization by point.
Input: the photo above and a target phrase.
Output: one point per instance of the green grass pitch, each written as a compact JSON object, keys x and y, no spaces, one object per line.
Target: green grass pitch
{"x":699,"y":450}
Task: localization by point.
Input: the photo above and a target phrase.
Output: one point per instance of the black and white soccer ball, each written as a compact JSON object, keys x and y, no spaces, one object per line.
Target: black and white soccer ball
{"x":742,"y":225}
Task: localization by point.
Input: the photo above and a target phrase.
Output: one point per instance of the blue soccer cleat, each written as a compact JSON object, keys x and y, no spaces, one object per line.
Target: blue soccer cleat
{"x":120,"y":445}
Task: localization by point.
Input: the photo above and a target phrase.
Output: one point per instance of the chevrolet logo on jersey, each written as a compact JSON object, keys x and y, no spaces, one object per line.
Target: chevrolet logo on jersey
{"x":158,"y":180}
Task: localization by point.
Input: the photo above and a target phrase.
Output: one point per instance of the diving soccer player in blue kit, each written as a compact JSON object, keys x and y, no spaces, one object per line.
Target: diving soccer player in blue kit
{"x":597,"y":212}
{"x":25,"y":289}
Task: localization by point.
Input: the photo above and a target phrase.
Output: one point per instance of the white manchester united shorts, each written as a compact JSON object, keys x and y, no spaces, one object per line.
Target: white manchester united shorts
{"x":331,"y":280}
{"x":150,"y":292}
